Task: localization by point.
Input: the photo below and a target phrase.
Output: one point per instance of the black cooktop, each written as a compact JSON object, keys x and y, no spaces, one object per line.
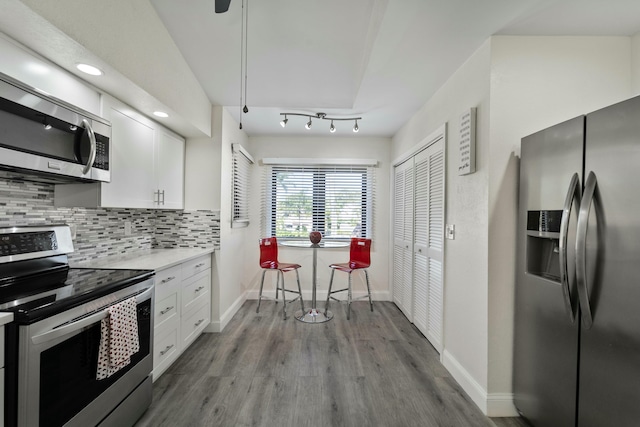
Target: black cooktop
{"x":43,"y":294}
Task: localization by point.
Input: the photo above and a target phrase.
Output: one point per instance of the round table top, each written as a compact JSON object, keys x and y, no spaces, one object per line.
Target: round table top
{"x":307,"y":244}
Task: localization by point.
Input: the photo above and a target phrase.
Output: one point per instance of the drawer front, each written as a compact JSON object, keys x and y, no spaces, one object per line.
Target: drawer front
{"x":165,"y":351}
{"x":167,"y":281}
{"x":193,"y":324}
{"x":196,"y":290}
{"x":196,"y":266}
{"x":167,"y":310}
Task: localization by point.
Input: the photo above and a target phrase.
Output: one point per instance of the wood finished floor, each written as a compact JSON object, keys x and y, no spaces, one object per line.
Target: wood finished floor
{"x":374,"y":370}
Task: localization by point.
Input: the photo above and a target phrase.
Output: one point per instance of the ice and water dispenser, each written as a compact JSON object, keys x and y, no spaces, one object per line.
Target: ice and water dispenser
{"x":543,"y":244}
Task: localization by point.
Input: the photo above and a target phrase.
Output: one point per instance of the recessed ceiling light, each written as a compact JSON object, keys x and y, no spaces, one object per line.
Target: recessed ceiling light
{"x":89,"y":69}
{"x":160,"y":114}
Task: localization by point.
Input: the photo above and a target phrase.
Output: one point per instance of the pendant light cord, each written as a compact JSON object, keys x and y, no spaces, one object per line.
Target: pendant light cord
{"x":241,"y":59}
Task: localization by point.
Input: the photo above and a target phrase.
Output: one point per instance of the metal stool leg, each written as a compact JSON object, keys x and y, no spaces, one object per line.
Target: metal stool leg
{"x":366,"y":275}
{"x":299,"y":290}
{"x":326,"y":306}
{"x":260,"y":294}
{"x":284,"y":297}
{"x":278,"y":281}
{"x":349,"y":298}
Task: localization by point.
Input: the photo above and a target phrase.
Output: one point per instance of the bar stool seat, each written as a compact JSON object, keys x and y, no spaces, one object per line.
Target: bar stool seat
{"x":269,"y":262}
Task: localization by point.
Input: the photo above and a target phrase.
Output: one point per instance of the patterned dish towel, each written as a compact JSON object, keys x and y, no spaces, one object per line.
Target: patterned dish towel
{"x":119,"y":338}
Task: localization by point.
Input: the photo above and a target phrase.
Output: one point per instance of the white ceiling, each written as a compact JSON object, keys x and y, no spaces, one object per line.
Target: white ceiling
{"x":379,"y":59}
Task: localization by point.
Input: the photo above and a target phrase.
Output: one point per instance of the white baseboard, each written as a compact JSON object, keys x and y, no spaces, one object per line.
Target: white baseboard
{"x":219,"y":325}
{"x":491,"y":404}
{"x":321,"y":295}
{"x":501,"y":405}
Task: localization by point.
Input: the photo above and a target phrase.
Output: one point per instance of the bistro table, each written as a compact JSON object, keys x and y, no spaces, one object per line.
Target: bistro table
{"x":313,"y":314}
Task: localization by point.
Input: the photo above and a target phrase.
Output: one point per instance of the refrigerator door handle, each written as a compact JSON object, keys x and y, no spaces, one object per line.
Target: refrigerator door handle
{"x":581,"y":249}
{"x":572,"y":194}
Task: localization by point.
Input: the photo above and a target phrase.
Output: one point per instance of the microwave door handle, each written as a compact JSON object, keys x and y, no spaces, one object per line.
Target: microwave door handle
{"x":572,"y":194}
{"x":92,"y":140}
{"x":81,"y":323}
{"x":581,"y":249}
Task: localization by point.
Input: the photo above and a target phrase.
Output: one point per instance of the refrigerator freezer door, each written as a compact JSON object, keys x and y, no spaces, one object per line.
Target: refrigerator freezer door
{"x":546,"y":340}
{"x":609,"y":393}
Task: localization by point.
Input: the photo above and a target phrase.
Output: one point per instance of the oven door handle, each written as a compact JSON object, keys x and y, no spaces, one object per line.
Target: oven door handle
{"x":61,"y":331}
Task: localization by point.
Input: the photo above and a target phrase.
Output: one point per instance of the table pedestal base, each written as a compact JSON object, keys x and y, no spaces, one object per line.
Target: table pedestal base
{"x":313,"y":315}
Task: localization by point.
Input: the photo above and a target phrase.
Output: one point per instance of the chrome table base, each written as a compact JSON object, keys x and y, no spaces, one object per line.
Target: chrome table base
{"x":313,"y":315}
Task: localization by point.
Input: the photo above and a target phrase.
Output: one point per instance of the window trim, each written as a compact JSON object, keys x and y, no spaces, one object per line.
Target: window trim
{"x":275,"y":165}
{"x":240,"y":185}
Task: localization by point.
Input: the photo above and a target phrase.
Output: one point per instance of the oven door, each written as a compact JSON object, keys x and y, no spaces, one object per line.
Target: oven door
{"x":58,"y":358}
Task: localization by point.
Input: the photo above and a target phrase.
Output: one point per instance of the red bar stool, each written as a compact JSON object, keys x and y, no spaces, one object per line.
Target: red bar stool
{"x":269,"y":262}
{"x":359,"y":259}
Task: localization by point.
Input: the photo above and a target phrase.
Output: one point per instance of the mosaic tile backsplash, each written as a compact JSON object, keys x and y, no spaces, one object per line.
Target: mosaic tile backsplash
{"x":100,"y":232}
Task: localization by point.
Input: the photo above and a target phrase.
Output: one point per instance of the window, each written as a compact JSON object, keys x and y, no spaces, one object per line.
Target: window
{"x":242,"y":162}
{"x":335,"y":200}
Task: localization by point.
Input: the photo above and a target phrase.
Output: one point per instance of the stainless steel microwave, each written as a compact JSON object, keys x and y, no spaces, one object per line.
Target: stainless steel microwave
{"x":45,"y":136}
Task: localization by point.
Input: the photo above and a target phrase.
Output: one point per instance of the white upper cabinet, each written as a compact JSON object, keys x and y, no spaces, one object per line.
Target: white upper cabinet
{"x":170,"y":170}
{"x":147,"y":169}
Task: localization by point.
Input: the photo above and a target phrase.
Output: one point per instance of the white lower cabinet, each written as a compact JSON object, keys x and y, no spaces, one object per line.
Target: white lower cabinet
{"x":182,"y":309}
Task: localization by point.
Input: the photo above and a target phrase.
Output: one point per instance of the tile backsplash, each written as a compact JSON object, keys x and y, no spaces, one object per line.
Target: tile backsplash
{"x":100,"y":232}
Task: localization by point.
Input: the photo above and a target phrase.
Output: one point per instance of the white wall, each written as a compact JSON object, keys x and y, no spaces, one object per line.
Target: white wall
{"x":536,"y":82}
{"x":323,"y":147}
{"x":230,"y":259}
{"x":465,"y":279}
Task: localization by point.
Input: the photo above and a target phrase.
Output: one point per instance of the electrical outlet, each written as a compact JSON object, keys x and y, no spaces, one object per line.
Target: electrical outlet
{"x":127,"y":228}
{"x":450,"y":231}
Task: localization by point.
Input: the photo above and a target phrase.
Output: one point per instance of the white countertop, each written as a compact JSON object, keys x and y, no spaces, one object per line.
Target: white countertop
{"x":5,"y":318}
{"x":152,"y":259}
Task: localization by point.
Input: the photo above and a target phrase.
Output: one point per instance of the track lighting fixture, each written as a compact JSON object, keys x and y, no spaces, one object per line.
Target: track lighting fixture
{"x":321,"y":116}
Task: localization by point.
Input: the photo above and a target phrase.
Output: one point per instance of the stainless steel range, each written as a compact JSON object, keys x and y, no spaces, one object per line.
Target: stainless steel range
{"x":53,"y":344}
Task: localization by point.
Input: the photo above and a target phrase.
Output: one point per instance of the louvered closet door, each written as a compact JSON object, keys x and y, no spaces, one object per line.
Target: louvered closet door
{"x":402,"y":232}
{"x":428,"y":243}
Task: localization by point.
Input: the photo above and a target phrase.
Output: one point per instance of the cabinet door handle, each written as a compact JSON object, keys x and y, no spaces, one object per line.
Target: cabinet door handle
{"x":200,"y":265}
{"x":166,"y":310}
{"x":162,"y":196}
{"x":199,"y":289}
{"x":167,"y":348}
{"x":168,"y":279}
{"x":198,"y":323}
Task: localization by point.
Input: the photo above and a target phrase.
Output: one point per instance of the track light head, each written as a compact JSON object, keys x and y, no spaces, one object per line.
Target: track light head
{"x":355,"y":127}
{"x":332,"y":128}
{"x":308,"y":125}
{"x":283,"y":123}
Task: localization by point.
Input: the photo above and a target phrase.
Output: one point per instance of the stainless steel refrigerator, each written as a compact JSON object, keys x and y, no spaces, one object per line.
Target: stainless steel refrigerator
{"x":577,"y":316}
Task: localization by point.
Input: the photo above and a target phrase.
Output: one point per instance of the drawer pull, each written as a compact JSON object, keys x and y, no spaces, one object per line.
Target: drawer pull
{"x":198,"y":323}
{"x":166,"y":310}
{"x":200,"y":265}
{"x":167,"y":348}
{"x":199,"y":289}
{"x":168,"y":279}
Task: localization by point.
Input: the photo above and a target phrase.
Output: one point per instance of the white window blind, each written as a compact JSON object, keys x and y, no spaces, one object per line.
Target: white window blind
{"x":242,"y":162}
{"x":335,"y":200}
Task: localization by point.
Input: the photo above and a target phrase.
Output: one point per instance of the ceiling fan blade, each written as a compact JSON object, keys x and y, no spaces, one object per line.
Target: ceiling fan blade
{"x":222,"y":5}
